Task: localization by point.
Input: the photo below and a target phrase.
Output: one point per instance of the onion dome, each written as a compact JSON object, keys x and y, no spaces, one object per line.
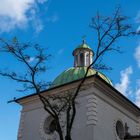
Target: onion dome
{"x":82,"y":59}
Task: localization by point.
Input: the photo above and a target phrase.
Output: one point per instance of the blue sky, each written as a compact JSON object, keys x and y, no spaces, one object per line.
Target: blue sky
{"x":59,"y":25}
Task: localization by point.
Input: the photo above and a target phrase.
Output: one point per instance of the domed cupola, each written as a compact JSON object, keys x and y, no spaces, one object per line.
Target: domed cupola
{"x":83,"y":55}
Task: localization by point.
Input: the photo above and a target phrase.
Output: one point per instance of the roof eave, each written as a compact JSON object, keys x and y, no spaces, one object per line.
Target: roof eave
{"x":54,"y":88}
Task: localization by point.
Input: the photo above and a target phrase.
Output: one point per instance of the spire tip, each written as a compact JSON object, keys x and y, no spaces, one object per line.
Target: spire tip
{"x":84,"y":39}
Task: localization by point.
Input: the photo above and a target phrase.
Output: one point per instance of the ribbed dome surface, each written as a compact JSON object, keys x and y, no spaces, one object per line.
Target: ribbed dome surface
{"x":75,"y":73}
{"x":83,"y":46}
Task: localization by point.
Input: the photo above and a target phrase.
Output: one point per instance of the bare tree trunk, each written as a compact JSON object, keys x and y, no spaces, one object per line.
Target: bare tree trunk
{"x":59,"y":130}
{"x":68,"y":137}
{"x":60,"y":136}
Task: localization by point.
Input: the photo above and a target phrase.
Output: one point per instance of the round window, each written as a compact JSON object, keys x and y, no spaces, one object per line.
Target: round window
{"x":120,"y":129}
{"x":49,"y":125}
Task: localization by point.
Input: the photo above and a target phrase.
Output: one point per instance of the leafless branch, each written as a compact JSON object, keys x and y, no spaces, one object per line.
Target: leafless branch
{"x":108,"y":30}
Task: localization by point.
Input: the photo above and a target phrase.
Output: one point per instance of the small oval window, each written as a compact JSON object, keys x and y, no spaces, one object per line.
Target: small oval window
{"x":50,"y":125}
{"x":120,"y":129}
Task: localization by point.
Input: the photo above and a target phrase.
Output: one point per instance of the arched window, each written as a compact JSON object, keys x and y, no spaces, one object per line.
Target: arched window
{"x":120,"y":130}
{"x":82,"y":59}
{"x":76,"y":61}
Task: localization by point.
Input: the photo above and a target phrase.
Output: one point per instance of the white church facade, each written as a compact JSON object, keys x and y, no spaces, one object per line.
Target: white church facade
{"x":103,"y":113}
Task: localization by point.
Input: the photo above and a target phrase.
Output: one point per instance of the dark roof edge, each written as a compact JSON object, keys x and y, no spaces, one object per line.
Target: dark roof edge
{"x":17,"y":100}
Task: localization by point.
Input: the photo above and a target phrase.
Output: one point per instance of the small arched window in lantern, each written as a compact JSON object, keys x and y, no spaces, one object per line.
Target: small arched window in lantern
{"x":82,"y":59}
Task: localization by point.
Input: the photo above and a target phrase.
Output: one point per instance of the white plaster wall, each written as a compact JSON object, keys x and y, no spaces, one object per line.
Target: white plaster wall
{"x":107,"y":117}
{"x":29,"y":129}
{"x":34,"y":116}
{"x":81,"y":131}
{"x":95,"y":118}
{"x":108,"y":112}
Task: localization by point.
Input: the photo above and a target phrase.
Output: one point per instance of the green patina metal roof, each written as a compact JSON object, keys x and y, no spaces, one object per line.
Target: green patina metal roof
{"x":84,"y":45}
{"x":75,"y":73}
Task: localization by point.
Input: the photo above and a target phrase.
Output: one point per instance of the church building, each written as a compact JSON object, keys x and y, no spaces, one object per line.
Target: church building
{"x":103,"y":113}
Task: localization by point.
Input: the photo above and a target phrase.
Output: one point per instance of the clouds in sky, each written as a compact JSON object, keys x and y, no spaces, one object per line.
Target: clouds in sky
{"x":137,"y":92}
{"x":137,"y":19}
{"x":137,"y":101}
{"x":18,"y":13}
{"x":123,"y":85}
{"x":137,"y":55}
{"x":42,"y":1}
{"x":125,"y":88}
{"x":31,"y":59}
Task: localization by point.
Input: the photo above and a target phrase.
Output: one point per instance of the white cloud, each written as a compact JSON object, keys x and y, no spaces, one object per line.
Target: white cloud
{"x":137,"y":20}
{"x":36,"y":22}
{"x":42,"y":1}
{"x":137,"y":102}
{"x":137,"y":94}
{"x":31,"y":59}
{"x":123,"y":85}
{"x":38,"y":26}
{"x":138,"y":30}
{"x":17,"y":13}
{"x":137,"y":55}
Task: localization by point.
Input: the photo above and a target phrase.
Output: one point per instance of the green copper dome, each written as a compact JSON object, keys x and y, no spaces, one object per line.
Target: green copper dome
{"x":82,"y":60}
{"x":83,"y":46}
{"x":75,"y":73}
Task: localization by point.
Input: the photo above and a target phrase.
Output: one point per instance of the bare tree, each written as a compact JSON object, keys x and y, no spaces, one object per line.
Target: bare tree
{"x":108,"y":29}
{"x":33,"y":58}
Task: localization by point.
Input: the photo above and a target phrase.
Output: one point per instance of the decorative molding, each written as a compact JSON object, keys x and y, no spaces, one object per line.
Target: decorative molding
{"x":91,"y":110}
{"x":21,"y":125}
